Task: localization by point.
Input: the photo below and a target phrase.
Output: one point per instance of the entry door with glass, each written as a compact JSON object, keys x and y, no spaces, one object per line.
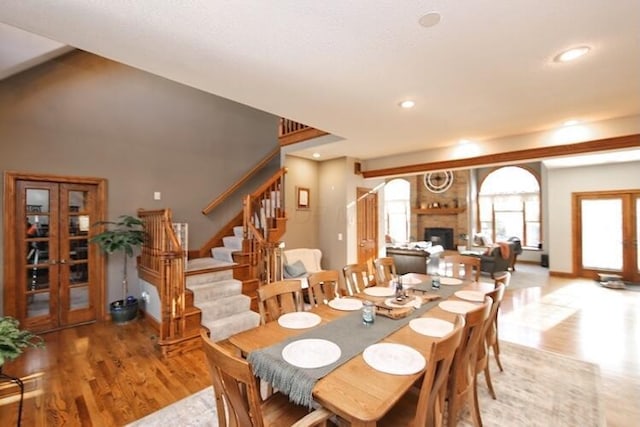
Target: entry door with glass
{"x":608,"y":234}
{"x":57,"y":273}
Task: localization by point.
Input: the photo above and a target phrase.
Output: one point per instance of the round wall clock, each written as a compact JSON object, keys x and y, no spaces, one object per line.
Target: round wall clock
{"x":438,"y":182}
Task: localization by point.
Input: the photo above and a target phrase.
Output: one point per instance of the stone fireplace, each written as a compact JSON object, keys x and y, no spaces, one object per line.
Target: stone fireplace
{"x":440,"y":236}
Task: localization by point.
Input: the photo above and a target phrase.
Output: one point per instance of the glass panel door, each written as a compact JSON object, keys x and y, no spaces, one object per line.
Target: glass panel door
{"x":37,"y":295}
{"x":602,"y":240}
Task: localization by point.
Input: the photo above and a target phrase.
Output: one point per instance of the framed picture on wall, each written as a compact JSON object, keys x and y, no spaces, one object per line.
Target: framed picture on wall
{"x":302,"y":197}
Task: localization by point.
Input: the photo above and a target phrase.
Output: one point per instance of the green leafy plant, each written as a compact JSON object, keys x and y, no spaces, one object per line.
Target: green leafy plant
{"x":13,"y":340}
{"x":124,"y":235}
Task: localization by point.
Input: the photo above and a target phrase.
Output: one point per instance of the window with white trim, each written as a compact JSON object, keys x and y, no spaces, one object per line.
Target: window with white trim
{"x":397,"y":209}
{"x":509,"y":205}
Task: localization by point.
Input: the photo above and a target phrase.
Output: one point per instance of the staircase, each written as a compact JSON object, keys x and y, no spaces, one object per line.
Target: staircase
{"x":231,"y":244}
{"x":224,"y":309}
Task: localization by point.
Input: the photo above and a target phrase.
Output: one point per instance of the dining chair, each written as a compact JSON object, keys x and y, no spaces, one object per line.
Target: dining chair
{"x":462,"y":266}
{"x":463,"y":368}
{"x":356,"y":278}
{"x":278,"y":298}
{"x":323,"y":287}
{"x":237,"y":395}
{"x":385,"y":269}
{"x":482,"y":364}
{"x":504,"y":277}
{"x":425,"y":406}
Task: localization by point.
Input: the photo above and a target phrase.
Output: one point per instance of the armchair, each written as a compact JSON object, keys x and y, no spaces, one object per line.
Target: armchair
{"x":494,"y":261}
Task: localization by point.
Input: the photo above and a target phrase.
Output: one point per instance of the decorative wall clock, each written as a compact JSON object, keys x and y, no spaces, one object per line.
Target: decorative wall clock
{"x":438,"y":182}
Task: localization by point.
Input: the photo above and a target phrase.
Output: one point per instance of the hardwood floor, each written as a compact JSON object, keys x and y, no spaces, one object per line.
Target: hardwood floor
{"x":109,"y":375}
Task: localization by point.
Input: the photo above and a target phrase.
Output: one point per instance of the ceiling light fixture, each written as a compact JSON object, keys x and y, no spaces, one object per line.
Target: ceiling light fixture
{"x":429,"y":20}
{"x":407,"y":104}
{"x":571,"y":54}
{"x":316,"y":155}
{"x":570,"y":123}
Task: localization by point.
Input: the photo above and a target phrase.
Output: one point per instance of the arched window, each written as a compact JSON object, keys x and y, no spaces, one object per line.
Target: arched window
{"x":509,"y":202}
{"x":397,"y":209}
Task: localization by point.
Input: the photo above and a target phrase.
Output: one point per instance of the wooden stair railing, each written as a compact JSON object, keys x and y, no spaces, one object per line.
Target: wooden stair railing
{"x":235,"y":186}
{"x":264,"y":224}
{"x":161,"y":263}
{"x":290,"y":132}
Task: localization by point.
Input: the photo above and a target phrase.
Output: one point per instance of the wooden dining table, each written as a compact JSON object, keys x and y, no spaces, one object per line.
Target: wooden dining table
{"x":354,"y":390}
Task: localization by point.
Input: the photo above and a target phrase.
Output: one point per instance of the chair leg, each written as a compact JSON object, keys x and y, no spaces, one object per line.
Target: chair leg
{"x":453,"y":407}
{"x":496,"y":349}
{"x":474,"y":407}
{"x":487,"y":377}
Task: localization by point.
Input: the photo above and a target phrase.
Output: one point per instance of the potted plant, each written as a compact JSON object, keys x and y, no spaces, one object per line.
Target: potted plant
{"x":13,"y":340}
{"x":124,"y":235}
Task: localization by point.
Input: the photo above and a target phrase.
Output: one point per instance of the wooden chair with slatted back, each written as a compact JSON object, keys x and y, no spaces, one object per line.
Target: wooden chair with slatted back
{"x":323,"y":287}
{"x":237,"y":394}
{"x":356,"y":278}
{"x":385,"y":269}
{"x":426,"y":407}
{"x":482,"y":365}
{"x":503,"y":277}
{"x":468,"y":265}
{"x":463,"y":368}
{"x":278,"y":298}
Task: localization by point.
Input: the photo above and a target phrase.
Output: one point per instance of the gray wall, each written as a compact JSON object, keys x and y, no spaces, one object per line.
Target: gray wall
{"x":83,"y":115}
{"x":302,"y":224}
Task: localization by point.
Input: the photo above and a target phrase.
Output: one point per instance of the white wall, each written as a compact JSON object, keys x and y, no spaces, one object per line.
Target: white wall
{"x":560,"y":185}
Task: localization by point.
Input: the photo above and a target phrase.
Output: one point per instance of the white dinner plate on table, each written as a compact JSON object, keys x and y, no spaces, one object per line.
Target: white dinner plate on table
{"x":431,"y":327}
{"x":346,"y":304}
{"x":299,"y":320}
{"x":458,"y":307}
{"x":475,"y":296}
{"x":396,"y":359}
{"x":410,"y":279}
{"x":451,"y":281}
{"x":311,"y":353}
{"x":391,"y":302}
{"x":379,"y":291}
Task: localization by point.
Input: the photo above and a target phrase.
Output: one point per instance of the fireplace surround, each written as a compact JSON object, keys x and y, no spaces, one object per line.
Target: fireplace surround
{"x":440,"y":236}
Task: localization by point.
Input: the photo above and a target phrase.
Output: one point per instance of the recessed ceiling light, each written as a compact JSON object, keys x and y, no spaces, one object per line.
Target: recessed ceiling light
{"x":570,"y":123}
{"x":464,"y":141}
{"x":571,"y":54}
{"x":316,"y":155}
{"x":407,"y":104}
{"x":429,"y":20}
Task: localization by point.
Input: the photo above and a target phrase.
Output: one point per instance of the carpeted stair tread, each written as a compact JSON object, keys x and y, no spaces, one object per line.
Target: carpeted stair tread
{"x":224,"y":307}
{"x":223,"y":328}
{"x":232,"y":242}
{"x":204,"y":292}
{"x":205,"y":263}
{"x":238,"y":231}
{"x":222,"y":253}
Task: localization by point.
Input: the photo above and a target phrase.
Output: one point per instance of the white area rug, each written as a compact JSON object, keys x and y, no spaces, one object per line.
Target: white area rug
{"x":537,"y":388}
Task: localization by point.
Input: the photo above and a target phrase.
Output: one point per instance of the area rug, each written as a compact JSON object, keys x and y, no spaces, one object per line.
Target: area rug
{"x":525,"y":276}
{"x":537,"y":388}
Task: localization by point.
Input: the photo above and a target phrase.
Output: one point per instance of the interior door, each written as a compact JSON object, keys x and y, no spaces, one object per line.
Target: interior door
{"x":367,"y":218}
{"x":607,"y":234}
{"x":54,"y":278}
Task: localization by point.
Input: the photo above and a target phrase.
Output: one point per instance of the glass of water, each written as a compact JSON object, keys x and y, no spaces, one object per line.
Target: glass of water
{"x":368,"y":313}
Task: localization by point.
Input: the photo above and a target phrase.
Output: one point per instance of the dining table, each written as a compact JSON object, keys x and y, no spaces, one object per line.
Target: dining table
{"x":354,"y":390}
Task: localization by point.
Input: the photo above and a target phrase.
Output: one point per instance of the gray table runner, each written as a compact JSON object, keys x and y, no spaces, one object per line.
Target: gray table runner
{"x":348,"y":332}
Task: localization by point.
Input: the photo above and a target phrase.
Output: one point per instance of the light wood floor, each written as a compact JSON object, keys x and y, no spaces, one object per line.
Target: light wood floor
{"x":109,"y":375}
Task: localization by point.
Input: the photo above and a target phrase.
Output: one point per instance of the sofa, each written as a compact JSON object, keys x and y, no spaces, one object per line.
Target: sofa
{"x":412,"y":260}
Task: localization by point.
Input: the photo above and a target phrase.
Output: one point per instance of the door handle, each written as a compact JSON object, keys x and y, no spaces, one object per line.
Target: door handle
{"x":53,"y":262}
{"x":63,"y":261}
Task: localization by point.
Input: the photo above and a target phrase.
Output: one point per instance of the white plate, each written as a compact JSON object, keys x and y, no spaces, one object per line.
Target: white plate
{"x":299,"y":320}
{"x":458,"y":307}
{"x":391,"y":302}
{"x":475,"y":296}
{"x":396,"y":359}
{"x":346,"y":304}
{"x":311,"y":353}
{"x":410,"y":279}
{"x":451,"y":281}
{"x":379,"y":291}
{"x":431,"y":327}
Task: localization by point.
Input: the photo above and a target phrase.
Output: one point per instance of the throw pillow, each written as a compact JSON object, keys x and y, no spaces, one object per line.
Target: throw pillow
{"x":294,"y":270}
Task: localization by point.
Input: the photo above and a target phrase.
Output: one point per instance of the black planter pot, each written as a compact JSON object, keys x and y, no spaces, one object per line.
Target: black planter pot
{"x":124,"y":310}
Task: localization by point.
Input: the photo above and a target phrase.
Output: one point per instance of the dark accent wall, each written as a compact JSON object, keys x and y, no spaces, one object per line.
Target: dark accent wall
{"x":84,"y":115}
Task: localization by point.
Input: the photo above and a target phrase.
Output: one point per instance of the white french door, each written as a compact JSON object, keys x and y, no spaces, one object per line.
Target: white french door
{"x":608,"y":231}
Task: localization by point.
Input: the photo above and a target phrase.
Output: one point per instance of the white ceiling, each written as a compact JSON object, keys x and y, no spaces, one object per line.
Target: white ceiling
{"x":484,"y":72}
